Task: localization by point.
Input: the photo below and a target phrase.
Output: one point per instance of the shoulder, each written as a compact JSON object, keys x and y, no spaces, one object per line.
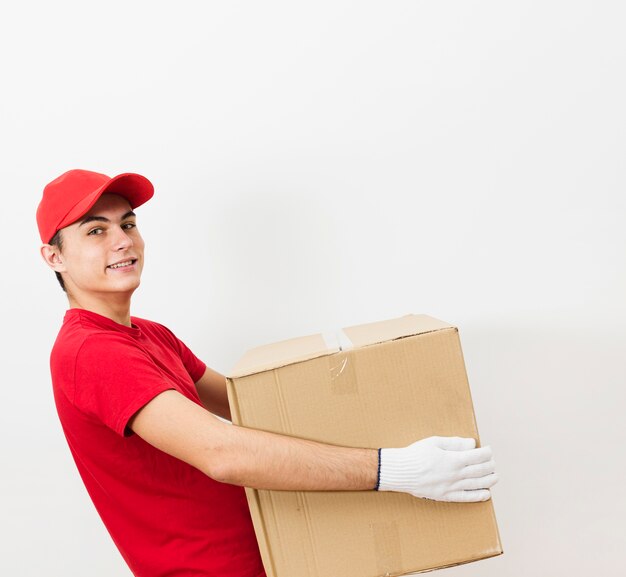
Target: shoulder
{"x":68,"y":349}
{"x":77,"y":351}
{"x":83,"y":327}
{"x":70,"y":340}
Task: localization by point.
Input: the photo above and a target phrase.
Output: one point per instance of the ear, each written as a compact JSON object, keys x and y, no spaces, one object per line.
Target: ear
{"x":52,"y":257}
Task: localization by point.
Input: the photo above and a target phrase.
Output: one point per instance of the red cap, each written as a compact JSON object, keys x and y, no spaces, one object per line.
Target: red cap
{"x":72,"y":194}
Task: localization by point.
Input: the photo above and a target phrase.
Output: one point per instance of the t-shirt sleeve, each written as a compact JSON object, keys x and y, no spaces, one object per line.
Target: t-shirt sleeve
{"x":113,"y":379}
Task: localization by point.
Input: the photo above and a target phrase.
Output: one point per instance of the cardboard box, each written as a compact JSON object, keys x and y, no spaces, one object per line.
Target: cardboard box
{"x":383,"y":384}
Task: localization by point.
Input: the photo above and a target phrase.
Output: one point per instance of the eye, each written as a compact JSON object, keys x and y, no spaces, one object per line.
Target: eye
{"x":95,"y":231}
{"x":129,"y":225}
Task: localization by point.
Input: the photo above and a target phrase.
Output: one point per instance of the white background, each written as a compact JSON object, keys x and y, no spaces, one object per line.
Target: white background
{"x":322,"y":164}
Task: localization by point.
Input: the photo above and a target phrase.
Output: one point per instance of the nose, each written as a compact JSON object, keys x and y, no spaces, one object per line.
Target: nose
{"x":121,"y":240}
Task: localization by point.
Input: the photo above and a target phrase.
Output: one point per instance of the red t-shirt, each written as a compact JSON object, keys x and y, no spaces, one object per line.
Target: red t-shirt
{"x":166,"y":517}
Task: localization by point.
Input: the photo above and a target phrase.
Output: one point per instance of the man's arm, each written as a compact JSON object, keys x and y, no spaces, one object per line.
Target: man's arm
{"x":440,"y":468}
{"x":211,"y":389}
{"x":249,"y":457}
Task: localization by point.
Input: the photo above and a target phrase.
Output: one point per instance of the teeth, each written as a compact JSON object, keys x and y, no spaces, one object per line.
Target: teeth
{"x":120,"y":264}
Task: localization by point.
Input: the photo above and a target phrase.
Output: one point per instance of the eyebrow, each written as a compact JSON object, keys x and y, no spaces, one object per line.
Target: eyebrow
{"x":104,"y":219}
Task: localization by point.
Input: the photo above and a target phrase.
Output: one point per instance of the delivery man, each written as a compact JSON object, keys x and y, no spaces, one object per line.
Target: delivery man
{"x":138,"y":408}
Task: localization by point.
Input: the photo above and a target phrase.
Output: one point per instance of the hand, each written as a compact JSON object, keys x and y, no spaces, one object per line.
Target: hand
{"x":439,"y":468}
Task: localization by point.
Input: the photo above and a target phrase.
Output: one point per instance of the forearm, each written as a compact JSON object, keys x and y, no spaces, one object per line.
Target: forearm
{"x":262,"y":460}
{"x":217,"y":406}
{"x":211,"y":389}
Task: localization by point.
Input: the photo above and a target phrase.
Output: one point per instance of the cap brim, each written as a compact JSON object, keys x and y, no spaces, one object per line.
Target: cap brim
{"x":133,"y":187}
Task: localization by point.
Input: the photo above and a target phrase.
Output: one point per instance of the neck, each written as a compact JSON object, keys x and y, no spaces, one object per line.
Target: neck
{"x":116,"y":308}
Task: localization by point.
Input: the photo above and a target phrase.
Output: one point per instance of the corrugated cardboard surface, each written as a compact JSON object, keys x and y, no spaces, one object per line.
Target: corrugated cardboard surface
{"x":404,"y":380}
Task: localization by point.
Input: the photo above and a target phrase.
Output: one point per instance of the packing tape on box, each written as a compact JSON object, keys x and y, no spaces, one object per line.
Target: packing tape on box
{"x":337,"y":340}
{"x":386,"y":536}
{"x":341,"y":368}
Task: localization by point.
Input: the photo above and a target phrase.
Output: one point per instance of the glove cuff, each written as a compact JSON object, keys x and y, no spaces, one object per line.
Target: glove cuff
{"x":395,"y":472}
{"x":378,"y":473}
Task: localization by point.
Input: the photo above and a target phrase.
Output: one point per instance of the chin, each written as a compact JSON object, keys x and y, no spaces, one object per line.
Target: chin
{"x":128,"y":286}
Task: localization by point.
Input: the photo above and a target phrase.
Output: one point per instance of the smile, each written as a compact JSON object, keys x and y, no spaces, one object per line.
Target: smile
{"x":124,"y":264}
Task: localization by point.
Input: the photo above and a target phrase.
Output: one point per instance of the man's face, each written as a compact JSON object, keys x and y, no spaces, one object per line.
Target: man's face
{"x":103,"y":250}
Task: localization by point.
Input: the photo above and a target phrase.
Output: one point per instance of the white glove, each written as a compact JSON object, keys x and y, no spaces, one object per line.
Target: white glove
{"x":439,"y":468}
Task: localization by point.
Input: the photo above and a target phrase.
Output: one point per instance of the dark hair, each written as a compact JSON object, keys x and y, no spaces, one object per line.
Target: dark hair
{"x":57,"y":240}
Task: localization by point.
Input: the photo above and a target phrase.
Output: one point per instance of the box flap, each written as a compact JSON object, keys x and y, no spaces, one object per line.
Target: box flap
{"x":275,"y":355}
